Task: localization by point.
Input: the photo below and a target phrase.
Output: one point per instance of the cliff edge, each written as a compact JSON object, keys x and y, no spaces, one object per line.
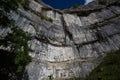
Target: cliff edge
{"x":71,"y":42}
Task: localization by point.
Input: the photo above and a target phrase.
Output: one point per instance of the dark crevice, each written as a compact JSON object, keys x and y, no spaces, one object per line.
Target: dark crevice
{"x":99,"y":36}
{"x":113,"y":11}
{"x":70,"y":36}
{"x":46,"y":41}
{"x":87,"y":43}
{"x":64,"y":27}
{"x":66,"y":31}
{"x":84,"y":13}
{"x":104,"y":22}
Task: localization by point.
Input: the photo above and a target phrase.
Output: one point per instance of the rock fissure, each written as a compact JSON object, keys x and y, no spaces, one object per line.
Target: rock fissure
{"x":74,"y":43}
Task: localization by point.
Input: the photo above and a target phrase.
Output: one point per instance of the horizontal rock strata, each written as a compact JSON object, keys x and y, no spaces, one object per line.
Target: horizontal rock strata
{"x":74,"y":43}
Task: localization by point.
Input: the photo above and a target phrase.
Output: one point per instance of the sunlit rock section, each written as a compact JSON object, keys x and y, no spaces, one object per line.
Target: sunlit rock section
{"x":72,"y":19}
{"x":57,"y":17}
{"x":50,"y":53}
{"x":73,"y":43}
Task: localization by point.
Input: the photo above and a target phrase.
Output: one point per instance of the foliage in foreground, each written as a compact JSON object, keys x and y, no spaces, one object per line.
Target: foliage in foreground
{"x":5,"y":7}
{"x":14,"y":59}
{"x":109,"y":69}
{"x":17,"y":40}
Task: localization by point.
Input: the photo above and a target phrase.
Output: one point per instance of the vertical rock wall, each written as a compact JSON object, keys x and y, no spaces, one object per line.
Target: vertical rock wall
{"x":74,"y":43}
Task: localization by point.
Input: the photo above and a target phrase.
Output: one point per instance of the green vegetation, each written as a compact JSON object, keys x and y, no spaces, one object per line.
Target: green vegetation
{"x":14,"y":59}
{"x":109,"y":69}
{"x":47,"y":18}
{"x":18,"y":41}
{"x":5,"y":7}
{"x":51,"y":77}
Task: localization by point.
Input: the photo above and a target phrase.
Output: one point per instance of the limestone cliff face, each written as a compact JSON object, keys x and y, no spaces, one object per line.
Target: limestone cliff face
{"x":74,"y":43}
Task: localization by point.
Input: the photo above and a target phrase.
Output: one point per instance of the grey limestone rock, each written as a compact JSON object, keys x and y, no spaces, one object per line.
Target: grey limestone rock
{"x":74,"y":43}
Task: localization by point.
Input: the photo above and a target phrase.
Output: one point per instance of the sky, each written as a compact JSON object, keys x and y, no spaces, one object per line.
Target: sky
{"x":87,"y":1}
{"x":60,"y":4}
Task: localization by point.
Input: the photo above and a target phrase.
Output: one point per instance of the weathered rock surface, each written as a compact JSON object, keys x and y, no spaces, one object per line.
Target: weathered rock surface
{"x":74,"y":43}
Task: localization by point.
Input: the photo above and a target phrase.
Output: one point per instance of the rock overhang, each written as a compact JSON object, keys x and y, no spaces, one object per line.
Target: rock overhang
{"x":74,"y":43}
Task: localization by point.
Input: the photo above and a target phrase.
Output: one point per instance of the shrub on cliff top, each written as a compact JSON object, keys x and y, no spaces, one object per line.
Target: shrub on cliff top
{"x":47,"y":18}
